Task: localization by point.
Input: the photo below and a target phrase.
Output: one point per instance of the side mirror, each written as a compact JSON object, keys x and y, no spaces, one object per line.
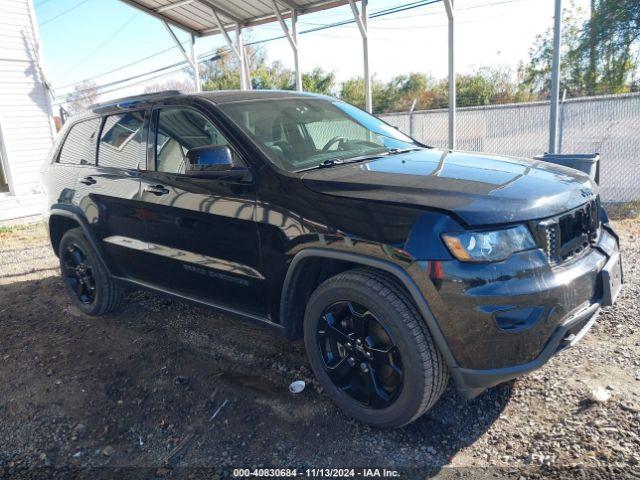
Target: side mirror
{"x":214,"y":161}
{"x":210,"y":158}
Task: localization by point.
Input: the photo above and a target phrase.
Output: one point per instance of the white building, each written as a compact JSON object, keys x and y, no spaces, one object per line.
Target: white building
{"x":26,"y":121}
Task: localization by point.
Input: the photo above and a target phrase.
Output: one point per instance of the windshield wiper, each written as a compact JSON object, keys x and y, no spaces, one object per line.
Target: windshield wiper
{"x":331,"y":162}
{"x":395,"y":151}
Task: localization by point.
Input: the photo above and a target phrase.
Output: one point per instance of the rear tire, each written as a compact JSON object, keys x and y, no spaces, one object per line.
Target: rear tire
{"x":86,"y":280}
{"x":335,"y":314}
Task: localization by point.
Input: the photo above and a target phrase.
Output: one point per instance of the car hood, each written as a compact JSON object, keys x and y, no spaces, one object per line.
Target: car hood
{"x":479,"y":189}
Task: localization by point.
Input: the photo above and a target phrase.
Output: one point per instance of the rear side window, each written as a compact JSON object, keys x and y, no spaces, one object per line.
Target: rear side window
{"x":122,"y":143}
{"x":79,"y":147}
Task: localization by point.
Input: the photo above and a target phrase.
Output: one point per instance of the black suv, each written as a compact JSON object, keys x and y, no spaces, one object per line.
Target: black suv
{"x":399,"y":264}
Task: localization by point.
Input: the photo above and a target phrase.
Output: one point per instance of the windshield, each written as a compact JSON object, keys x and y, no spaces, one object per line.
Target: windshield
{"x":298,"y":133}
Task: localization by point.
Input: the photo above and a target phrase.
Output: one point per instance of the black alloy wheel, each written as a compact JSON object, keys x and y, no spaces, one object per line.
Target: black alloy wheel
{"x":86,"y":279}
{"x":78,"y":274}
{"x":371,"y":350}
{"x":359,"y":354}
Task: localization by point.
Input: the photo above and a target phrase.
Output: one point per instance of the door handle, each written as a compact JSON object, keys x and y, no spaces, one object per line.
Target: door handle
{"x":89,"y":181}
{"x":156,"y":190}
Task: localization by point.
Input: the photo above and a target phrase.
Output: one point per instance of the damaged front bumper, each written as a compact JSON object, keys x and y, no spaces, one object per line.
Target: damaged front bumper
{"x":507,"y":320}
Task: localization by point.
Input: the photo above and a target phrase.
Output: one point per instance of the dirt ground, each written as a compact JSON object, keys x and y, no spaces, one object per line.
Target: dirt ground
{"x":162,"y":388}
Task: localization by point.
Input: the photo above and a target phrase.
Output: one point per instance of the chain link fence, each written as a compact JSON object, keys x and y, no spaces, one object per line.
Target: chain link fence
{"x":608,"y":125}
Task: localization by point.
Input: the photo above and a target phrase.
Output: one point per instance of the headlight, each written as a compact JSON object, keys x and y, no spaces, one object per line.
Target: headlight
{"x":489,"y":246}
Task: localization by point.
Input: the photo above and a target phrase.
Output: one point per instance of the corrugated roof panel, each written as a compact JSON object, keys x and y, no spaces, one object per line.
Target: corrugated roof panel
{"x":196,"y":20}
{"x":195,"y":16}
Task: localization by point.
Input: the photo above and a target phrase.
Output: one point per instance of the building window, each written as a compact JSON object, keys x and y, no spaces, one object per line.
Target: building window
{"x":4,"y":182}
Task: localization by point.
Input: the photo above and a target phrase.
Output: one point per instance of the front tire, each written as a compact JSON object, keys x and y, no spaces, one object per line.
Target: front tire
{"x":371,"y":350}
{"x":86,"y":280}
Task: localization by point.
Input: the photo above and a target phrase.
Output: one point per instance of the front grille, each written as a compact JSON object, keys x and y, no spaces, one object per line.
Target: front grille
{"x":571,"y":233}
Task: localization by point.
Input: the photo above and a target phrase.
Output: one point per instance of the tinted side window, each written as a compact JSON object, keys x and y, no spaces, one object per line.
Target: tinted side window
{"x":122,"y":143}
{"x":180,"y":130}
{"x":79,"y":147}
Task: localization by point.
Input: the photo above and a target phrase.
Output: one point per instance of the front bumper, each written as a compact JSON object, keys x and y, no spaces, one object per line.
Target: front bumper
{"x":506,"y":319}
{"x":471,"y":382}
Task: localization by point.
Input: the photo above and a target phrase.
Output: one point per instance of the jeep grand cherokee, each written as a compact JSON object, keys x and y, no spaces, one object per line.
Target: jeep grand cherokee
{"x":400,"y":265}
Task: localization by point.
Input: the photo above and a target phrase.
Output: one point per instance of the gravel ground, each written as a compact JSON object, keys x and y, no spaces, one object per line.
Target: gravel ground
{"x":163,"y":388}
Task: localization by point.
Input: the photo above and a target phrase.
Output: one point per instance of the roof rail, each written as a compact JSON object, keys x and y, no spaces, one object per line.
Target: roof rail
{"x":134,"y":99}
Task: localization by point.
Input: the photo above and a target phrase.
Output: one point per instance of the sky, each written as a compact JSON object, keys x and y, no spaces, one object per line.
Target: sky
{"x":89,"y":39}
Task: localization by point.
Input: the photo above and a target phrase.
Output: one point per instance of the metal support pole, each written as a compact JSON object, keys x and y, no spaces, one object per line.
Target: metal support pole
{"x":449,"y":6}
{"x":555,"y":78}
{"x":362,"y":19}
{"x":245,"y":79}
{"x":365,"y":51}
{"x":194,"y":65}
{"x":411,"y":110}
{"x":237,"y":49}
{"x":190,"y":57}
{"x":296,"y":51}
{"x":561,"y":122}
{"x":292,"y":37}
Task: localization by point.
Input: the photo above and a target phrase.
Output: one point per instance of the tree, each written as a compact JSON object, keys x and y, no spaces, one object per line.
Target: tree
{"x":272,"y":77}
{"x":84,"y":94}
{"x":402,"y":90}
{"x":352,"y":91}
{"x":171,"y":84}
{"x":535,"y":76}
{"x":319,"y":81}
{"x":599,"y":55}
{"x":221,"y":72}
{"x":610,"y":43}
{"x":487,"y":86}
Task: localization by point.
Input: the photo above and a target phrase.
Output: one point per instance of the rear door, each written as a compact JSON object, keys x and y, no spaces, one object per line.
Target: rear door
{"x":201,"y":230}
{"x":111,"y":199}
{"x":75,"y":157}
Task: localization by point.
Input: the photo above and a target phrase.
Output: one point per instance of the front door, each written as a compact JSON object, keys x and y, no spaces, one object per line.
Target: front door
{"x":200,"y":231}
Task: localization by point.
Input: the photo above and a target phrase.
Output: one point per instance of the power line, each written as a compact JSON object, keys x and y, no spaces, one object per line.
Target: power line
{"x":135,"y":62}
{"x":63,"y":13}
{"x":180,"y":65}
{"x":135,"y":77}
{"x":96,"y":49}
{"x":426,"y":14}
{"x":62,"y":102}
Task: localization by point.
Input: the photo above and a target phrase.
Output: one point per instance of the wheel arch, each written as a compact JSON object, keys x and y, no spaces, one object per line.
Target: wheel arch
{"x":63,"y":219}
{"x":292,"y":311}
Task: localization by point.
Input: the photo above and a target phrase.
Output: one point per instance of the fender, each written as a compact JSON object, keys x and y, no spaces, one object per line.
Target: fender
{"x":399,"y":274}
{"x":76,"y":214}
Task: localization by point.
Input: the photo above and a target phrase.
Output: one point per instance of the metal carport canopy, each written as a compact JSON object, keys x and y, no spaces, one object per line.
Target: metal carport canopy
{"x":195,"y":16}
{"x":212,"y":17}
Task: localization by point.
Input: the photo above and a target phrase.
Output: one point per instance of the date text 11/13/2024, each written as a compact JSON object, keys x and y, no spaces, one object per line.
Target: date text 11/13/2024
{"x":316,"y":472}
